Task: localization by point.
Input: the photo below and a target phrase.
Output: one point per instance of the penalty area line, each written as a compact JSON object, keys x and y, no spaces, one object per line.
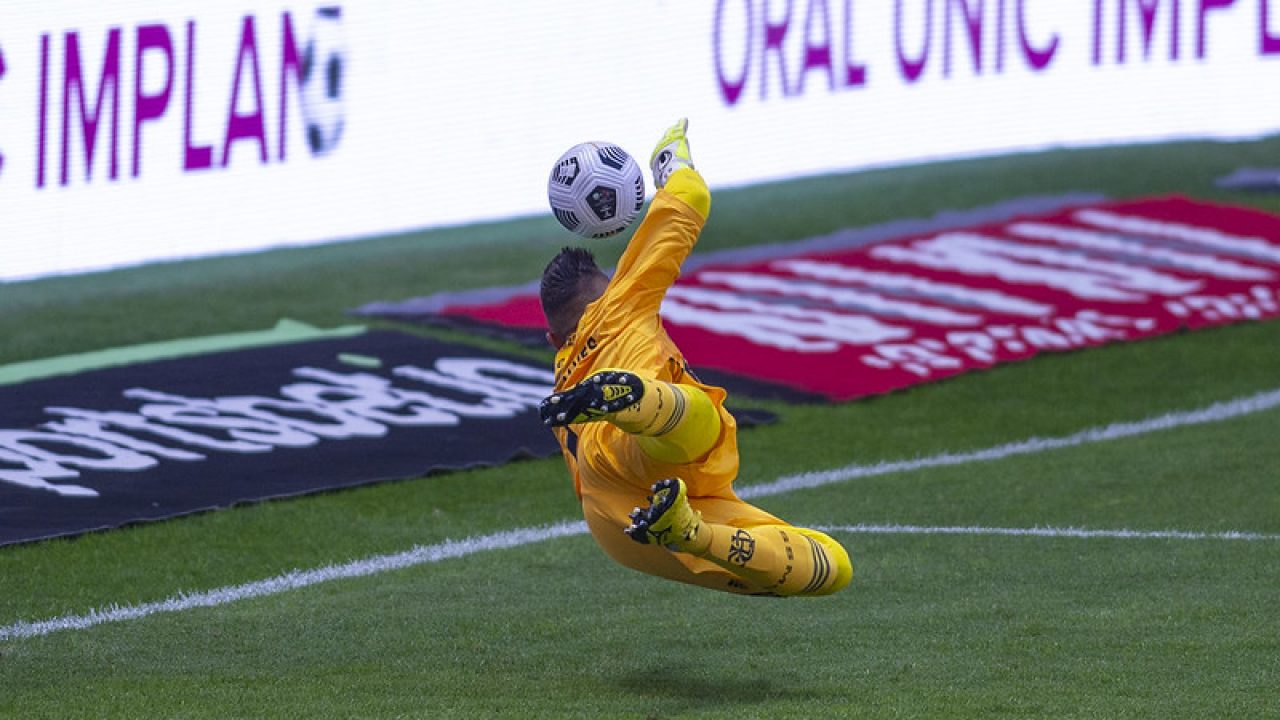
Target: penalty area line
{"x":421,"y":555}
{"x":520,"y":537}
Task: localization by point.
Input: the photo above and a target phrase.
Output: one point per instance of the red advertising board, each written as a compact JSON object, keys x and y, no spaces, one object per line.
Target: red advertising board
{"x":866,"y":319}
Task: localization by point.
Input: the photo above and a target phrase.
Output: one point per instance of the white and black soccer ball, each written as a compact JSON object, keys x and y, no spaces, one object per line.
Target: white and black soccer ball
{"x":596,"y":189}
{"x":324,"y":69}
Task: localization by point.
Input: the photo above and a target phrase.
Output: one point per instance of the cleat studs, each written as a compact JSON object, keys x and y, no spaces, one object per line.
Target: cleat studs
{"x":555,"y":399}
{"x":561,"y":417}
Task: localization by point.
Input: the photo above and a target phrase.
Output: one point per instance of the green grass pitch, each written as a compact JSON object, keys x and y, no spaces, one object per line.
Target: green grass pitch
{"x":934,"y":625}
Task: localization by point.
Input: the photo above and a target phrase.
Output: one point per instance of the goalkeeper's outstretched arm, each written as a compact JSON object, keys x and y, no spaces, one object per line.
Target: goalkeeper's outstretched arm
{"x":652,"y":260}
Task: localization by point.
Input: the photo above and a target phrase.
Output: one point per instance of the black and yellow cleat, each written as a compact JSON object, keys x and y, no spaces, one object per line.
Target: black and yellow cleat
{"x":669,"y":520}
{"x":597,"y":397}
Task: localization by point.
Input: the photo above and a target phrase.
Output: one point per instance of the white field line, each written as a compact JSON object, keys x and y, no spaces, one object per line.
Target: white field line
{"x":1216,"y":412}
{"x":296,"y":579}
{"x":521,"y":537}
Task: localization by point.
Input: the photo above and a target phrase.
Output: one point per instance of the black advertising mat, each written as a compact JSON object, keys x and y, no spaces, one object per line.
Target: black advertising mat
{"x":158,"y":439}
{"x":153,"y":440}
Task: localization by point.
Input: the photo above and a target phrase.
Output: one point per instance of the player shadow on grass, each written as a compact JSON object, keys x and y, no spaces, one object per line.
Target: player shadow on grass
{"x":693,"y":688}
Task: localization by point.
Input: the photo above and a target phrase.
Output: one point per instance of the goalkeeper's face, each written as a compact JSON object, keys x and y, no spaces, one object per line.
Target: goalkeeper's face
{"x":562,"y":325}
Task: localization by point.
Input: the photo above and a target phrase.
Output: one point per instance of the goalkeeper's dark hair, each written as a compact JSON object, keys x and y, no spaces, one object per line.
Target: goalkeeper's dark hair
{"x":567,"y":286}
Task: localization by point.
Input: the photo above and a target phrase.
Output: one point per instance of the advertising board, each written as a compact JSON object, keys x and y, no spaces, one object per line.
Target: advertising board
{"x":142,"y":130}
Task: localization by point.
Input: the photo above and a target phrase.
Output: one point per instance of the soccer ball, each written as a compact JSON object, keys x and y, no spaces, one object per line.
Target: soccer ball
{"x":596,"y":189}
{"x":323,"y":73}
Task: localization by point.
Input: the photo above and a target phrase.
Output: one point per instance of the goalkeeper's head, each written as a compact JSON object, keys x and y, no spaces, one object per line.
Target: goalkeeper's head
{"x":571,"y":282}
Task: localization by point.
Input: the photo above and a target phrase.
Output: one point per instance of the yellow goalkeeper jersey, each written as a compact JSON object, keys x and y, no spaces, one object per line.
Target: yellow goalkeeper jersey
{"x":622,"y":330}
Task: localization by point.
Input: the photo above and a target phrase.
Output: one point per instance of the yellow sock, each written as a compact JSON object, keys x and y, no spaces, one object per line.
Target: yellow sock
{"x":676,"y":423}
{"x":785,"y":560}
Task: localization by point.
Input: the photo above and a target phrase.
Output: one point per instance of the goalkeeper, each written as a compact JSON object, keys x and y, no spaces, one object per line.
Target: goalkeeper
{"x":652,"y":450}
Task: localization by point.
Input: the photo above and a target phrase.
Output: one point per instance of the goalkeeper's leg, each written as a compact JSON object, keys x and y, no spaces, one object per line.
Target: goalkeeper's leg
{"x":674,"y":423}
{"x":778,"y":559}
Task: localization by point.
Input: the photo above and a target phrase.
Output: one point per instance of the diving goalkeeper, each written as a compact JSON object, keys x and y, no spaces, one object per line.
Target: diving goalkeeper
{"x":652,"y":450}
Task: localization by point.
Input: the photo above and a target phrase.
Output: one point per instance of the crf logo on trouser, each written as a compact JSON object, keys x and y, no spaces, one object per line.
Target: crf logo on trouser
{"x":741,"y":547}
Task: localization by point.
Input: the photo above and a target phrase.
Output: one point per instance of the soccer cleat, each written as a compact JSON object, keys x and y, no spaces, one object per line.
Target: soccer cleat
{"x":669,"y":520}
{"x":600,"y":395}
{"x":671,"y":154}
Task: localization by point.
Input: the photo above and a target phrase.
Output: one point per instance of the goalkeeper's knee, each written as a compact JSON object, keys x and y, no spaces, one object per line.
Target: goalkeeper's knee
{"x":688,"y":432}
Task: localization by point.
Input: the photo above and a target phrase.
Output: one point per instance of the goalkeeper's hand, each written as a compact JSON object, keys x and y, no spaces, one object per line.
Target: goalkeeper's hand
{"x":671,"y":154}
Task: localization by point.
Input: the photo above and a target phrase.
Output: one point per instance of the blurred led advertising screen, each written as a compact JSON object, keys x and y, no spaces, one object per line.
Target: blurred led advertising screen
{"x":149,"y":130}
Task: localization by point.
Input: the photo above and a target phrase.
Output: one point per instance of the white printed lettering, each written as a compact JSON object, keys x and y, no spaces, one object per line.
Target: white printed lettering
{"x":1247,"y":246}
{"x":1118,"y":246}
{"x":941,"y":292}
{"x":786,"y":327}
{"x":1084,"y":277}
{"x":868,"y":302}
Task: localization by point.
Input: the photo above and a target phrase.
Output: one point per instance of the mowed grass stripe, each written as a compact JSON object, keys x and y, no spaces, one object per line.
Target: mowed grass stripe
{"x":519,"y":537}
{"x":1049,"y":532}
